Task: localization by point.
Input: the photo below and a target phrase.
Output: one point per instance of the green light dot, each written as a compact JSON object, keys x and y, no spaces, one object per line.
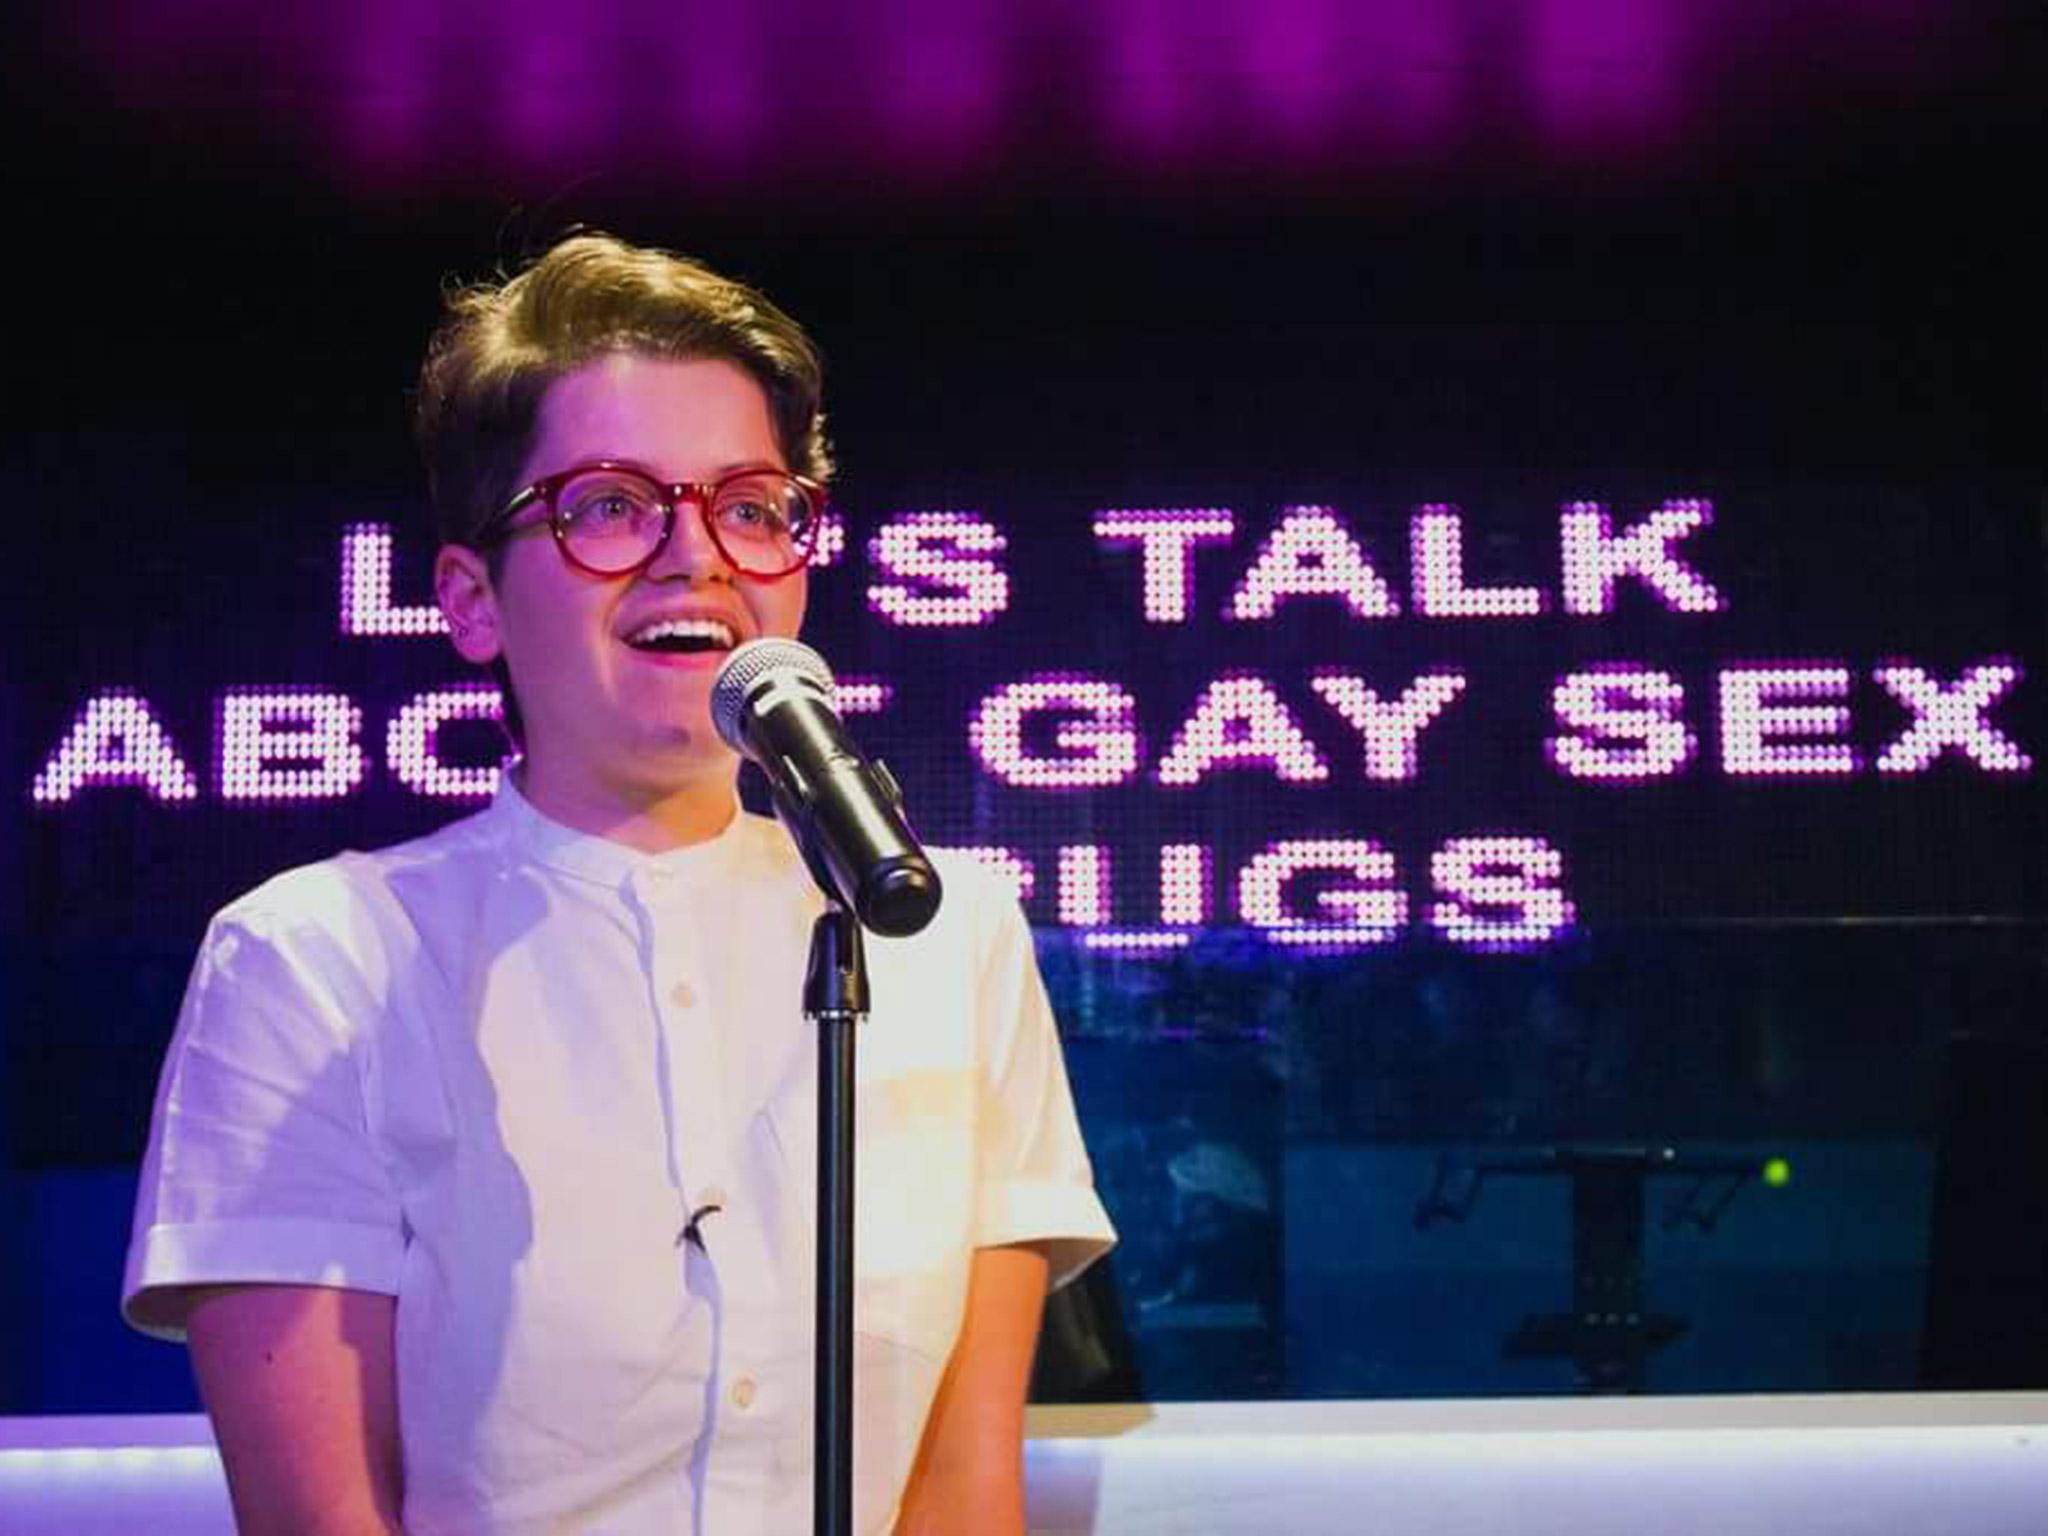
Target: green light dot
{"x":1777,"y":1173}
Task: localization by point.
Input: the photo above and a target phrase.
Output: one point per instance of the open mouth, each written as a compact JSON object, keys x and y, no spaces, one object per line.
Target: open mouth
{"x":682,"y":637}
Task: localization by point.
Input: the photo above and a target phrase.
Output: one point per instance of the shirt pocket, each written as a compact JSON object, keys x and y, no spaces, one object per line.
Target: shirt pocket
{"x":914,"y":1177}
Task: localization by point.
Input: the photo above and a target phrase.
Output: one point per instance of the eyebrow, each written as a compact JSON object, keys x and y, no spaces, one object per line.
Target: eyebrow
{"x":739,"y":467}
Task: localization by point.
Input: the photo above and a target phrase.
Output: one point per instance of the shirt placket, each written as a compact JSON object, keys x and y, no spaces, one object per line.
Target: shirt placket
{"x":696,"y":1089}
{"x":696,"y":1099}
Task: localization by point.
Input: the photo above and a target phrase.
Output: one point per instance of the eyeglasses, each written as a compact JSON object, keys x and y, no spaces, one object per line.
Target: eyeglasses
{"x":610,"y":518}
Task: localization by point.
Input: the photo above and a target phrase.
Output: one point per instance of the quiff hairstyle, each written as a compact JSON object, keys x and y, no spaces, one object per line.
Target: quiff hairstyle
{"x":501,"y":345}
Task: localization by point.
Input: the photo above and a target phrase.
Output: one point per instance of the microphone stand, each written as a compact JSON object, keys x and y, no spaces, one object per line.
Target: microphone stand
{"x":835,"y":1001}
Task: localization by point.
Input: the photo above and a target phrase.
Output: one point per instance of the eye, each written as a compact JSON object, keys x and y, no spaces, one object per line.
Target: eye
{"x":598,"y":504}
{"x":764,"y":507}
{"x":614,"y":506}
{"x":758,"y":515}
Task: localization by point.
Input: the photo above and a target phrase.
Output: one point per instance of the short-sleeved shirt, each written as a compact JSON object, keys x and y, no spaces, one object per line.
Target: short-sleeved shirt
{"x":497,"y":1071}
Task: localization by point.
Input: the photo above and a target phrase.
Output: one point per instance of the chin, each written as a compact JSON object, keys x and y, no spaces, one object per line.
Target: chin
{"x":692,"y":752}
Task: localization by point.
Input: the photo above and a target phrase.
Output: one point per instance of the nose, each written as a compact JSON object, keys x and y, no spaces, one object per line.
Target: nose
{"x":691,"y":553}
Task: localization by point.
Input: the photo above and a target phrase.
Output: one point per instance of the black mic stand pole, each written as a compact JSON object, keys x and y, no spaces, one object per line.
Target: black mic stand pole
{"x":835,"y":1001}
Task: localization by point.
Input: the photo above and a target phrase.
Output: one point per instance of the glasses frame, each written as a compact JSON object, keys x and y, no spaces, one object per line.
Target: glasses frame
{"x":700,"y":493}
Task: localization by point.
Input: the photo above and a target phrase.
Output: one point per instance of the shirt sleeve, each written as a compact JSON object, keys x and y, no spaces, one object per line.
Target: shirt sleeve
{"x":260,"y":1166}
{"x":1036,"y":1182}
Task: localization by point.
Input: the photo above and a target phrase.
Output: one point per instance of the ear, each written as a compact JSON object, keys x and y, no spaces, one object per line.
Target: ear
{"x":462,"y":586}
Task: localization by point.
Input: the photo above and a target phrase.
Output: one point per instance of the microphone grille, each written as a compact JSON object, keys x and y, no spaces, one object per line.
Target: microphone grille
{"x":745,"y":667}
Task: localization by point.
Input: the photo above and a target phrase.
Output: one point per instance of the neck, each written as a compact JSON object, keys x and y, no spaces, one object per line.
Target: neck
{"x":649,"y":818}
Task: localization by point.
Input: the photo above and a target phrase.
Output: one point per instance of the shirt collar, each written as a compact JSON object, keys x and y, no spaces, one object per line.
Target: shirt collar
{"x":611,"y":864}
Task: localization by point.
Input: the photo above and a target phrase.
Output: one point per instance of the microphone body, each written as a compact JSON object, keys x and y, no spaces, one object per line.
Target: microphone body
{"x":772,"y":702}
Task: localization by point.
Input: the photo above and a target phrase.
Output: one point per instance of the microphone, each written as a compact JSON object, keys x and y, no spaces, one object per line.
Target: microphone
{"x":772,"y":702}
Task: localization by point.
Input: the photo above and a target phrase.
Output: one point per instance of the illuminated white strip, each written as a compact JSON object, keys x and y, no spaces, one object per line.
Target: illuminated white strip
{"x":1134,"y":941}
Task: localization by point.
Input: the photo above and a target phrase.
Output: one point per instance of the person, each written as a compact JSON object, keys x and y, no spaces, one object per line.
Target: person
{"x":481,"y":1175}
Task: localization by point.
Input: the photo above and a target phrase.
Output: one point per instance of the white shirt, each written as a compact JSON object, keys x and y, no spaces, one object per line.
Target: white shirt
{"x":492,"y":1072}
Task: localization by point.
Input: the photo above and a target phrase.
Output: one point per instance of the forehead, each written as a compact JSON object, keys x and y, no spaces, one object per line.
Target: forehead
{"x":682,"y":417}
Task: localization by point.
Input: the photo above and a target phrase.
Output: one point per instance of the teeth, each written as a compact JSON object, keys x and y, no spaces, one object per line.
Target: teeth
{"x":715,"y":630}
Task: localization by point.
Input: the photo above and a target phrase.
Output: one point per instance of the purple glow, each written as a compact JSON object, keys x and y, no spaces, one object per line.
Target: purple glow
{"x":917,"y":91}
{"x":1134,"y":941}
{"x":1012,"y":866}
{"x":1168,"y":538}
{"x":289,"y":744}
{"x":942,"y":82}
{"x":1186,"y":876}
{"x":1623,"y":723}
{"x":1595,"y":557}
{"x":1436,"y":540}
{"x":1094,"y":731}
{"x":1951,"y":716}
{"x":1499,"y":893}
{"x":366,"y":606}
{"x":831,"y":546}
{"x":731,"y":112}
{"x":1607,"y":72}
{"x":1084,"y":897}
{"x":1369,"y":910}
{"x":115,"y":738}
{"x":409,"y":743}
{"x":1310,"y":553}
{"x":1390,"y":729}
{"x":1241,"y":721}
{"x":553,"y":62}
{"x":1787,"y":719}
{"x":948,"y":577}
{"x":861,"y":695}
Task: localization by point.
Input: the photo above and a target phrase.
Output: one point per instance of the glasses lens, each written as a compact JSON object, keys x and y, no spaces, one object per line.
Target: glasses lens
{"x":610,"y":519}
{"x":766,"y":522}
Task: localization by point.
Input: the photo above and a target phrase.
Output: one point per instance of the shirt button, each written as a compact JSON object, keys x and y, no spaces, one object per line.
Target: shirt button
{"x":743,"y":1392}
{"x":682,"y":995}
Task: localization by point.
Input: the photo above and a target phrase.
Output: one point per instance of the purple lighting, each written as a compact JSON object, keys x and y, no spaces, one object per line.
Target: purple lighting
{"x":949,"y":577}
{"x":1084,"y":885}
{"x":1310,"y":553}
{"x":923,"y":92}
{"x":862,"y":695}
{"x":1786,"y":719}
{"x":1093,"y":732}
{"x":1389,"y":727}
{"x":1499,"y":892}
{"x":1951,"y":716}
{"x":1186,"y":875}
{"x":1607,"y":71}
{"x":1014,"y":869}
{"x":115,"y":739}
{"x":1239,"y":721}
{"x":410,"y":743}
{"x":1168,"y":539}
{"x":366,"y":606}
{"x":1437,"y":545}
{"x":831,"y":545}
{"x":1622,"y":723}
{"x":1369,"y":909}
{"x":289,"y":744}
{"x":1595,"y":557}
{"x":1134,"y":941}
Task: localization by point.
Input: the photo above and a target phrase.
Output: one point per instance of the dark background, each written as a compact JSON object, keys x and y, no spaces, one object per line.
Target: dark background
{"x":1785,"y":262}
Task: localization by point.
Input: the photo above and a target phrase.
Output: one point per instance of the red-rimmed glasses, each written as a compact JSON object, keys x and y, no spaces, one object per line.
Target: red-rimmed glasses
{"x":611,"y":518}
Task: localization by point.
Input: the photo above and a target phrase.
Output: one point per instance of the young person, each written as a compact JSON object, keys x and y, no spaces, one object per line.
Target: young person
{"x":482,"y":1171}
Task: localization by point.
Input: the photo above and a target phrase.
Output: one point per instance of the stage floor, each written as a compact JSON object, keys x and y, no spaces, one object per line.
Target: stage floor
{"x":1894,"y":1465}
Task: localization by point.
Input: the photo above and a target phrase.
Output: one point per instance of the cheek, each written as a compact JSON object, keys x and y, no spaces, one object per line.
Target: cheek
{"x":780,"y":605}
{"x":551,"y":629}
